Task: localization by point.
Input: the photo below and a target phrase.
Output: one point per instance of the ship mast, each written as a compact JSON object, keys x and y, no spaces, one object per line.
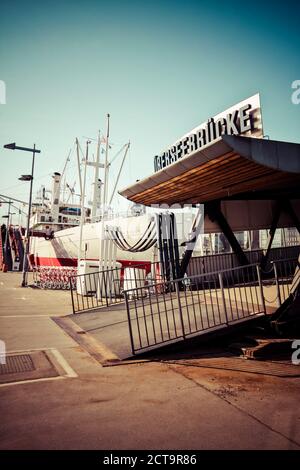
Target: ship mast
{"x":120,"y":171}
{"x":96,"y":179}
{"x":82,"y":195}
{"x":63,"y":175}
{"x":106,"y":165}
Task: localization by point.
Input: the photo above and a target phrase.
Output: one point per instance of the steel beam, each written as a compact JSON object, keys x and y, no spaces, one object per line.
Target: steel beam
{"x":288,"y":208}
{"x":274,"y":224}
{"x":215,"y":214}
{"x":190,"y":244}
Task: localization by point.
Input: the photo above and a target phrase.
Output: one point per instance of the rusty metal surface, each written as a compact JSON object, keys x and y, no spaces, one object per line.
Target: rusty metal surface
{"x":274,"y":368}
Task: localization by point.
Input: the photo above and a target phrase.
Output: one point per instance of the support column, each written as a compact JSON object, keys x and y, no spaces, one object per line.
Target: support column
{"x":215,"y":214}
{"x":190,"y":244}
{"x":288,"y":208}
{"x":274,"y":224}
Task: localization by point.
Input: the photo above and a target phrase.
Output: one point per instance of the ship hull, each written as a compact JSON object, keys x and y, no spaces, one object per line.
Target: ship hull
{"x":62,"y":249}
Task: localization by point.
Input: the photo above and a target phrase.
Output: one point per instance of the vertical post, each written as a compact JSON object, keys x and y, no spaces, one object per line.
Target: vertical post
{"x":192,"y":240}
{"x":71,"y":289}
{"x":277,"y":285}
{"x":223,"y":296}
{"x":179,"y":307}
{"x":129,"y":323}
{"x":82,"y":209}
{"x":26,"y":254}
{"x":274,"y":224}
{"x":105,"y":286}
{"x":78,"y":165}
{"x":261,"y":288}
{"x":106,"y":165}
{"x":96,"y":179}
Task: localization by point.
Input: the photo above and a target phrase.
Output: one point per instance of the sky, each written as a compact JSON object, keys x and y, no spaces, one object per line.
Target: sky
{"x":159,"y":68}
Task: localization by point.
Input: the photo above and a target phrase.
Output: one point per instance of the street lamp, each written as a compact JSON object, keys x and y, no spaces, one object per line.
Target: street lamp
{"x":25,"y":178}
{"x":13,"y":146}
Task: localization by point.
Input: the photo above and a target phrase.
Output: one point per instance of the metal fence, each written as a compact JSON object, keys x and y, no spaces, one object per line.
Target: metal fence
{"x":166,"y":312}
{"x":54,"y":277}
{"x":163,"y":313}
{"x":104,"y":288}
{"x":223,"y":261}
{"x":283,"y":273}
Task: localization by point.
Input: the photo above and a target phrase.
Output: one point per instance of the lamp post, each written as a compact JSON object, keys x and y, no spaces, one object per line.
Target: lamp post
{"x":11,"y":218}
{"x":13,"y":146}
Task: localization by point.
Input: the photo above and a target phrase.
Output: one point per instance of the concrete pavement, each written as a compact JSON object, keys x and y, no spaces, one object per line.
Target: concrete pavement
{"x":139,"y":406}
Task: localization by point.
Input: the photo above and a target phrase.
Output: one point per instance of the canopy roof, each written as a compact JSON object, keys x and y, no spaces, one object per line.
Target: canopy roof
{"x":232,"y":167}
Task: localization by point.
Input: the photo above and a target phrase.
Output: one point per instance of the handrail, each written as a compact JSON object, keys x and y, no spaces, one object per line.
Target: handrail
{"x":197,"y":276}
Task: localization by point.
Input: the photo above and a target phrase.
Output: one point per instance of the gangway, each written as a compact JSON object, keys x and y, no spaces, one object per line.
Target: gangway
{"x":162,"y":312}
{"x":6,"y":249}
{"x":16,"y":248}
{"x":20,"y":246}
{"x":11,"y":249}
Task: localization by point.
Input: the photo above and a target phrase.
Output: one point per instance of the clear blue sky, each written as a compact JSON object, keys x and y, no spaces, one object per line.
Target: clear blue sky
{"x":159,"y":68}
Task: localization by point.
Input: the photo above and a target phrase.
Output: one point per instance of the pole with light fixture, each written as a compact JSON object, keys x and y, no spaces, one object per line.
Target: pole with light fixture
{"x":13,"y":146}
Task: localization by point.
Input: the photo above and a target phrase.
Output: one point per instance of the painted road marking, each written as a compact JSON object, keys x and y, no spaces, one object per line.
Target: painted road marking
{"x":31,"y":381}
{"x":64,"y":364}
{"x":28,"y":316}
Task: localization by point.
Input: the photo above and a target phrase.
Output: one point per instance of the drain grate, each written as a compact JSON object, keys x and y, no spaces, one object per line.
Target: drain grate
{"x":27,"y":365}
{"x":16,"y":364}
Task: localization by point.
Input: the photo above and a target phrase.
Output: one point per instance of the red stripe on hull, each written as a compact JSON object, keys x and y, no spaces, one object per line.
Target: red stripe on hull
{"x":43,"y":261}
{"x":54,"y":261}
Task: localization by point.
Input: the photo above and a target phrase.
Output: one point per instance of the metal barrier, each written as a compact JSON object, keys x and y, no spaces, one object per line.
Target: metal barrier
{"x":162,"y":313}
{"x":283,"y":271}
{"x":54,"y":277}
{"x":105,"y":287}
{"x":213,"y":263}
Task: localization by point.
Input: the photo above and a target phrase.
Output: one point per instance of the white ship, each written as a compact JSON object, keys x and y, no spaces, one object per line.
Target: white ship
{"x":64,"y":234}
